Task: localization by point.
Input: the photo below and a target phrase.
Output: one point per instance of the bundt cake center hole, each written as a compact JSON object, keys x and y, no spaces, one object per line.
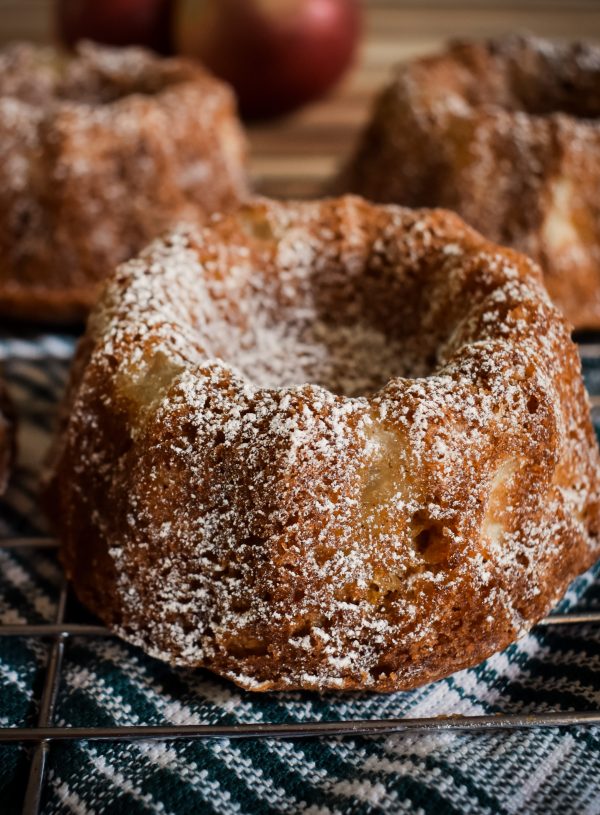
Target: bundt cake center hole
{"x":347,"y":359}
{"x":349,"y":333}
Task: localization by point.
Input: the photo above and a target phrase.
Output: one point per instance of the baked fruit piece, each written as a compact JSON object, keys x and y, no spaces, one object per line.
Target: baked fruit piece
{"x":100,"y":153}
{"x":326,"y":445}
{"x":507,"y":134}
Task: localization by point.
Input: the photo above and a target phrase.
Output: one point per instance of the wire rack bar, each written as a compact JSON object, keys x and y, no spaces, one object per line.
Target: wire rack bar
{"x":38,"y":767}
{"x":588,"y":350}
{"x":360,"y":727}
{"x":84,"y":630}
{"x":44,"y":734}
{"x":25,"y":543}
{"x":592,"y":617}
{"x":52,"y":629}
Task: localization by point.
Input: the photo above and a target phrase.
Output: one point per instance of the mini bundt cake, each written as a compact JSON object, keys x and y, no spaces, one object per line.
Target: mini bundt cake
{"x":507,"y":134}
{"x":100,"y":153}
{"x":325,"y":445}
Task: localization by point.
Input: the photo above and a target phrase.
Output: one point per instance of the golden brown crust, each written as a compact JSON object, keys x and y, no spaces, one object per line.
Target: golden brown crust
{"x":99,"y":154}
{"x":507,"y":134}
{"x":416,"y":508}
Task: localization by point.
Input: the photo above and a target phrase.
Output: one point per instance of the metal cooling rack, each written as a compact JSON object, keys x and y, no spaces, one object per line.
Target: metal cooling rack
{"x":45,"y":733}
{"x":41,"y":737}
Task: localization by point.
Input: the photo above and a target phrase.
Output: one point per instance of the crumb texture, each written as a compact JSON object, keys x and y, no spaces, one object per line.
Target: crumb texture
{"x":100,"y":153}
{"x":506,"y":133}
{"x":325,"y":445}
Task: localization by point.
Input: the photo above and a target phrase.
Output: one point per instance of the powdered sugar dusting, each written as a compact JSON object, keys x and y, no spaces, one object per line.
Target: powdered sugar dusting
{"x":342,"y":446}
{"x":100,"y":152}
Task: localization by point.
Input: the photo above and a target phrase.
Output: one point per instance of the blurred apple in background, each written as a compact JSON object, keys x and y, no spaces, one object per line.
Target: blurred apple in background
{"x":277,"y":54}
{"x":116,"y":22}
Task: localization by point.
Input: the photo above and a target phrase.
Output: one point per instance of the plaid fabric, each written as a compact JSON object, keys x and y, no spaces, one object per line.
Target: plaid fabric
{"x":106,"y":682}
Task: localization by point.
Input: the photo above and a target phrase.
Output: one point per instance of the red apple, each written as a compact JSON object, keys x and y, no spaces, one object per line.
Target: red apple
{"x":277,"y":54}
{"x":116,"y":22}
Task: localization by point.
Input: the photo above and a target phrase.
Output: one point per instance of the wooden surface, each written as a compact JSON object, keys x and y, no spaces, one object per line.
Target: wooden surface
{"x":296,"y":156}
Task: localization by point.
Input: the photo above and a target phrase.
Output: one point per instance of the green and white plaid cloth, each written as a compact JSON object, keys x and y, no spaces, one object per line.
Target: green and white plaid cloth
{"x":106,"y":682}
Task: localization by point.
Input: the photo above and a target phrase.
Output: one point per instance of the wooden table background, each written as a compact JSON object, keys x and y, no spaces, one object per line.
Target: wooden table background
{"x":295,"y":156}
